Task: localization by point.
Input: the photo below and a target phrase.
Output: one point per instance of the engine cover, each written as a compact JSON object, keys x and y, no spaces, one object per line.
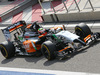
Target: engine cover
{"x":30,"y":46}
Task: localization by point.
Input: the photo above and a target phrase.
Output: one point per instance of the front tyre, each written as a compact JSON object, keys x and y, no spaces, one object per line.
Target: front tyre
{"x":7,"y":49}
{"x":82,"y":30}
{"x":48,"y":50}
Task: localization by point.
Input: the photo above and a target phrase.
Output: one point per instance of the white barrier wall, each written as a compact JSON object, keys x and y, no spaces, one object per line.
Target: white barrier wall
{"x":77,"y":16}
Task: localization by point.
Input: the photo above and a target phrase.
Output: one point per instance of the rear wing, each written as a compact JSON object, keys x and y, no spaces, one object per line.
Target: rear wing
{"x":11,"y":28}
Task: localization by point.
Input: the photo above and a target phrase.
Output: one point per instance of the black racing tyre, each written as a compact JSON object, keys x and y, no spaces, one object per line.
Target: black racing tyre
{"x":48,"y":50}
{"x":7,"y":49}
{"x":82,"y":30}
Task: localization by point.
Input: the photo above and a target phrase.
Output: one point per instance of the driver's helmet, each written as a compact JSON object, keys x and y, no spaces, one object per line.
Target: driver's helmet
{"x":41,"y":30}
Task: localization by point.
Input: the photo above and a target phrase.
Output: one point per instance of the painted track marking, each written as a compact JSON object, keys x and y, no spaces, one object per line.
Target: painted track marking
{"x":21,"y":71}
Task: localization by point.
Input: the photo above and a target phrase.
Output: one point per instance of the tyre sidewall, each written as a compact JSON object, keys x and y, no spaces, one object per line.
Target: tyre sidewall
{"x":9,"y":49}
{"x":50,"y":48}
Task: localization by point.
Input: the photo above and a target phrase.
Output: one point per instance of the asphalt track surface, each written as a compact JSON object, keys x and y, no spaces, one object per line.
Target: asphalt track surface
{"x":86,"y":60}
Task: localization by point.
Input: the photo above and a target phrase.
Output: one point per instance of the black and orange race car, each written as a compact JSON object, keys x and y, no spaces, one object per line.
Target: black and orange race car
{"x":53,"y":42}
{"x":23,"y":39}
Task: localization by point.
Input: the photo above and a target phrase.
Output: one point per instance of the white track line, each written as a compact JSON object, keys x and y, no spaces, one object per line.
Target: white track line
{"x":44,"y":71}
{"x":7,"y":21}
{"x":67,"y":25}
{"x":2,"y":27}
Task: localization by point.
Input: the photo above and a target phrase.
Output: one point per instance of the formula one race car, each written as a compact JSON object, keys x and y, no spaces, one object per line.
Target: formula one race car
{"x":25,"y":39}
{"x":65,"y":43}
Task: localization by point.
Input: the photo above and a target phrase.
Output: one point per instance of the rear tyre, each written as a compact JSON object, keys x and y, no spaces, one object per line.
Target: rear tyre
{"x":82,"y":30}
{"x":48,"y":50}
{"x":7,"y":49}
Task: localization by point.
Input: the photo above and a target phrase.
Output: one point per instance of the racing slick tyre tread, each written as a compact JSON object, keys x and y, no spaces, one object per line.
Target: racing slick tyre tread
{"x":82,"y":30}
{"x":48,"y":50}
{"x":7,"y":49}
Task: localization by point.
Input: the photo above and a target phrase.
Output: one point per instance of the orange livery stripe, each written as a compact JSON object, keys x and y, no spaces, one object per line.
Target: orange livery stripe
{"x":12,"y":29}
